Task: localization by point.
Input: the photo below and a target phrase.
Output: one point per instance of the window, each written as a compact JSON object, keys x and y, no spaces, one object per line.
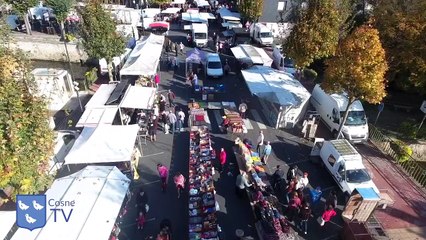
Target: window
{"x":266,"y":34}
{"x":355,"y":118}
{"x":331,"y":160}
{"x":200,"y":35}
{"x":357,"y":176}
{"x":214,"y":65}
{"x":336,"y":116}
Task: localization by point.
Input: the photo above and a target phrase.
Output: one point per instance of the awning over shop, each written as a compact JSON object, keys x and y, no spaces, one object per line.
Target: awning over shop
{"x":101,"y":96}
{"x":93,"y":116}
{"x":144,"y":59}
{"x":98,"y":193}
{"x":138,"y":97}
{"x":103,"y":144}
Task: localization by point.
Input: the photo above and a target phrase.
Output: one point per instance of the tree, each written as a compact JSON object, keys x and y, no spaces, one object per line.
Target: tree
{"x":316,"y":33}
{"x":402,"y":27}
{"x":61,"y":8}
{"x":251,"y":10}
{"x":25,"y":137}
{"x":98,"y":32}
{"x":158,"y":2}
{"x":22,"y":7}
{"x":358,"y":69}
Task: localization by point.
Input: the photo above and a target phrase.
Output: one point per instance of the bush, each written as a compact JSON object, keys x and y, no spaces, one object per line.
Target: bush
{"x":408,"y":129}
{"x":309,"y":74}
{"x":402,"y":150}
{"x":91,"y":76}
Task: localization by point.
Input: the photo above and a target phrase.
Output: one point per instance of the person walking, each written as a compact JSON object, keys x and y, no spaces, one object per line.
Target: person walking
{"x":181,"y":47}
{"x":222,"y":159}
{"x":140,"y":220}
{"x":327,"y":215}
{"x":242,"y":108}
{"x":291,"y":187}
{"x":331,"y":200}
{"x":172,"y":121}
{"x":305,"y":214}
{"x":171,"y":96}
{"x":303,"y":182}
{"x":266,"y":152}
{"x":292,"y":173}
{"x":179,"y":180}
{"x":142,"y":201}
{"x":260,"y":140}
{"x":278,"y":179}
{"x":156,"y":80}
{"x":293,"y":206}
{"x":181,"y":120}
{"x":164,"y":173}
{"x":241,"y":184}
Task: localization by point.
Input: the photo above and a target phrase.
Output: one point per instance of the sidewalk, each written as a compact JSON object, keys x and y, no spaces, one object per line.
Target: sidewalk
{"x":406,"y":218}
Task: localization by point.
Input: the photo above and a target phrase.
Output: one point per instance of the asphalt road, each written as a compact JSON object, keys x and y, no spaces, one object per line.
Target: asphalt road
{"x":172,"y":151}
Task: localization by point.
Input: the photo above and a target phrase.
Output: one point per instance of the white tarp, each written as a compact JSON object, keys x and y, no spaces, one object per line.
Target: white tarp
{"x":98,"y":193}
{"x":264,"y":80}
{"x":257,"y":56}
{"x":202,"y":3}
{"x":171,"y":10}
{"x":93,"y":116}
{"x":178,"y":2}
{"x":101,"y":96}
{"x":144,"y":59}
{"x":7,"y":219}
{"x":103,"y":144}
{"x":139,"y":97}
{"x":195,"y":17}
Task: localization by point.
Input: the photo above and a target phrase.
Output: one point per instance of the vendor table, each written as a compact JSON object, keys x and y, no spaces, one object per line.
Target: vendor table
{"x":202,"y":203}
{"x":198,"y":117}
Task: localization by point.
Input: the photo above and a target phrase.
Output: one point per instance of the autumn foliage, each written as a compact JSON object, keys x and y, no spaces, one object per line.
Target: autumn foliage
{"x":251,"y":9}
{"x":359,"y":67}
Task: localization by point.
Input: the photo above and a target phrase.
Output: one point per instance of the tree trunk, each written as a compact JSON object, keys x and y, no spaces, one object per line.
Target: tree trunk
{"x":111,"y":77}
{"x":27,"y":24}
{"x":66,"y":49}
{"x":345,"y":116}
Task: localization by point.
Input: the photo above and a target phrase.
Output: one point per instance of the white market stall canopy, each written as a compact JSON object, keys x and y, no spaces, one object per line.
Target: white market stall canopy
{"x":98,"y":193}
{"x":171,"y":10}
{"x":264,"y":81}
{"x":144,"y":59}
{"x":101,"y":96}
{"x":93,"y":116}
{"x":103,"y":144}
{"x":194,"y":17}
{"x":178,"y":2}
{"x":257,"y":56}
{"x":7,"y":219}
{"x":228,"y":15}
{"x":138,"y":97}
{"x":202,"y":3}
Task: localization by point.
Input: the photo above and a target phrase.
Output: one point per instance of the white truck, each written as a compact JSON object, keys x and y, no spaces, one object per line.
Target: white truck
{"x":259,"y":33}
{"x":344,"y":164}
{"x":332,"y":108}
{"x":199,"y":34}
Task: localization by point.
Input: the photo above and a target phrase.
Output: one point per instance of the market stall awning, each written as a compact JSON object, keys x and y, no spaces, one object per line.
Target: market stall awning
{"x":98,"y":193}
{"x":160,"y":24}
{"x":144,"y":59}
{"x":246,"y":52}
{"x":262,"y":81}
{"x":94,"y":116}
{"x":197,"y":17}
{"x":195,"y":56}
{"x":101,"y":96}
{"x":171,"y":10}
{"x":103,"y":144}
{"x":139,"y":97}
{"x":228,"y":15}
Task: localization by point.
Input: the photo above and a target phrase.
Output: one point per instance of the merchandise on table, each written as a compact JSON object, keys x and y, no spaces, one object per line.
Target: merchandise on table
{"x":202,"y":203}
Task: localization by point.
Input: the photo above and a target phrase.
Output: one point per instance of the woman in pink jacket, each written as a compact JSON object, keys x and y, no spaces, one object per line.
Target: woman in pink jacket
{"x":179,"y":180}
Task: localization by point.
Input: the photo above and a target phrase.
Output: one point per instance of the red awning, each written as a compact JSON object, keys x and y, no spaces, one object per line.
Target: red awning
{"x":165,"y":25}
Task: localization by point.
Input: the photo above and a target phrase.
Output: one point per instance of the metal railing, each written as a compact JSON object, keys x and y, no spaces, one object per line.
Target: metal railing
{"x":411,"y":166}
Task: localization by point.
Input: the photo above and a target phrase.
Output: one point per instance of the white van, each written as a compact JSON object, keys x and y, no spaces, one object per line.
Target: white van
{"x":332,"y":108}
{"x":282,"y":62}
{"x":344,"y":163}
{"x":261,"y":34}
{"x":199,"y":34}
{"x":214,"y":66}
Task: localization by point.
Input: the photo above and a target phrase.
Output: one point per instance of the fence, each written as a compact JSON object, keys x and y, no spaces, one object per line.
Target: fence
{"x":411,"y":166}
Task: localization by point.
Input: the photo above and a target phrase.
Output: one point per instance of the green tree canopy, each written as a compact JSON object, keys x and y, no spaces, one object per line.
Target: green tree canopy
{"x":25,"y":136}
{"x":402,"y":27}
{"x":22,"y":6}
{"x":251,"y":9}
{"x":316,"y":33}
{"x":99,"y":35}
{"x":61,"y":8}
{"x":358,"y":68}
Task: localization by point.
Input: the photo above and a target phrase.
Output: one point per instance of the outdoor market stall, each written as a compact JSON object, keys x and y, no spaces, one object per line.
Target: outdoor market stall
{"x":136,"y":97}
{"x":106,"y":144}
{"x":101,"y":96}
{"x":98,"y":193}
{"x":202,"y":203}
{"x":198,"y":116}
{"x":284,"y":99}
{"x":270,"y":222}
{"x":93,"y":116}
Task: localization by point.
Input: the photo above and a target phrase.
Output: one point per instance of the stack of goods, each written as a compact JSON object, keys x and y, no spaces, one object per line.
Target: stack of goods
{"x":247,"y":159}
{"x":235,"y":122}
{"x":198,"y":117}
{"x":272,"y":223}
{"x":202,"y":203}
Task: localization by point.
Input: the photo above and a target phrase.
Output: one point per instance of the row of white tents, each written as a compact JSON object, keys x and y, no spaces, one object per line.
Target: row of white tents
{"x":100,"y":188}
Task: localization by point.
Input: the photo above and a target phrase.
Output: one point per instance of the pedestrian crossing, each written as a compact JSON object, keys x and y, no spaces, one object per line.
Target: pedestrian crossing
{"x":251,"y":124}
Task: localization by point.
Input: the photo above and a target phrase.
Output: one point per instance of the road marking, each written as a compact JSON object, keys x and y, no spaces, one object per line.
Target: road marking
{"x":217,"y":116}
{"x":247,"y":123}
{"x":258,"y":119}
{"x":154,"y":154}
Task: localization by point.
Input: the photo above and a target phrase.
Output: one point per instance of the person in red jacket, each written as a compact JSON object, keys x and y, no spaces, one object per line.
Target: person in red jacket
{"x":222,"y":159}
{"x":327,"y":215}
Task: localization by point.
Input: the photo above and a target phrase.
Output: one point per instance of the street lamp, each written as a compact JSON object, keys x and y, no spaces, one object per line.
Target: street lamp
{"x":76,"y":88}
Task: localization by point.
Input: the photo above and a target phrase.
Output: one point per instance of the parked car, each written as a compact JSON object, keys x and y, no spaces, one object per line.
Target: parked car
{"x":214,"y":66}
